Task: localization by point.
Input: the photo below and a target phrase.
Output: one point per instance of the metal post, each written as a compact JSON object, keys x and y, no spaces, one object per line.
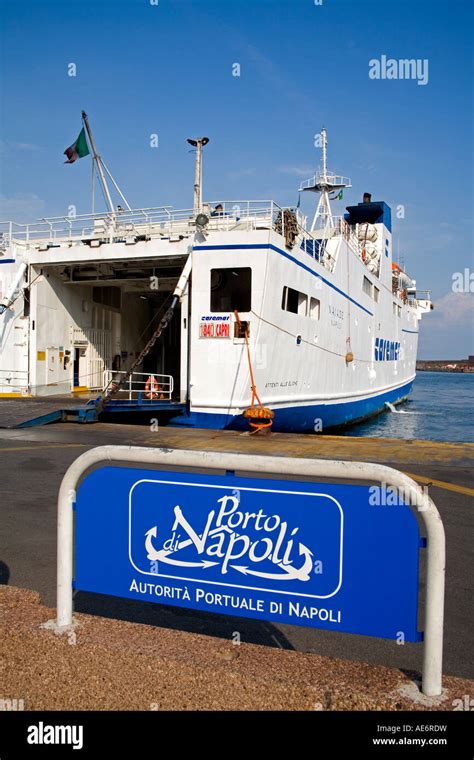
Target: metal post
{"x":66,"y":499}
{"x":198,"y":144}
{"x":326,"y":468}
{"x":198,"y":179}
{"x":434,"y":605}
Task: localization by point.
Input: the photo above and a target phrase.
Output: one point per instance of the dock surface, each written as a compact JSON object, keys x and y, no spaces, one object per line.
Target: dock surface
{"x":105,"y":664}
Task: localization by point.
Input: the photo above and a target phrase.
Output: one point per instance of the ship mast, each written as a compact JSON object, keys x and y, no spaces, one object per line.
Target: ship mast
{"x":101,"y":168}
{"x":324,"y":183}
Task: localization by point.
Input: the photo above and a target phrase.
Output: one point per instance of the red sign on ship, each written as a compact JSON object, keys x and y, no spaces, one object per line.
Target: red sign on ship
{"x":214,"y":330}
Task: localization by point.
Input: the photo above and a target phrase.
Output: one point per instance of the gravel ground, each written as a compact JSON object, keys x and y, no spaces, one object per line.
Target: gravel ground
{"x":105,"y":664}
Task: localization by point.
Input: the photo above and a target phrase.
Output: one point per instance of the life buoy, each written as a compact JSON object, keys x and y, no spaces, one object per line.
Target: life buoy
{"x":152,"y":388}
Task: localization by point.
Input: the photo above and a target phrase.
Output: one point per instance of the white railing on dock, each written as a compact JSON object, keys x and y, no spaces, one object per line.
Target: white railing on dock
{"x":150,"y":387}
{"x":419,"y":502}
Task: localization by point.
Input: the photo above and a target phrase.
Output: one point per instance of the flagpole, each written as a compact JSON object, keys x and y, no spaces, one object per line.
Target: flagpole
{"x":97,"y":160}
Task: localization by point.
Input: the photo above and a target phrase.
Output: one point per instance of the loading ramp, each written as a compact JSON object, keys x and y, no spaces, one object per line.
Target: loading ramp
{"x":28,"y":412}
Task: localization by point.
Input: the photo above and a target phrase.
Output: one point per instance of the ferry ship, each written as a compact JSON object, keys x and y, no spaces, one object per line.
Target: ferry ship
{"x":309,"y":325}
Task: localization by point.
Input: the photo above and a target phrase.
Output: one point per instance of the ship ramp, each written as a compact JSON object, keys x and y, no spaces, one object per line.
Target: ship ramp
{"x":32,"y":412}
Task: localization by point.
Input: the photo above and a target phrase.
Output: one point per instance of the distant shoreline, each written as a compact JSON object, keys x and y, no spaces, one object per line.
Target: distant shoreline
{"x":460,"y":371}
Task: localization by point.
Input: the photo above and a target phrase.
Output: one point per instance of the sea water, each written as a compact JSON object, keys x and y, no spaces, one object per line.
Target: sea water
{"x":440,"y":407}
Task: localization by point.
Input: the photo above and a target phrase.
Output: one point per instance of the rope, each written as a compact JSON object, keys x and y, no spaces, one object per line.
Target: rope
{"x":261,"y":417}
{"x":303,"y":340}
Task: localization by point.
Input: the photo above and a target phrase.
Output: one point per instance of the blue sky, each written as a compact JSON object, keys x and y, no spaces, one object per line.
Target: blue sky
{"x":143,"y":69}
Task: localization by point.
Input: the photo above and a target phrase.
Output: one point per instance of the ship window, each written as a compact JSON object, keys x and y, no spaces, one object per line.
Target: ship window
{"x":294,"y":301}
{"x":370,"y":289}
{"x":367,"y":286}
{"x":231,"y":289}
{"x":314,"y":306}
{"x":399,"y":311}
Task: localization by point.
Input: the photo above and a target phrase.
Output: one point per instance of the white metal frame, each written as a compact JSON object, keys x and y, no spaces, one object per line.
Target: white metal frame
{"x":316,"y":468}
{"x":137,"y":382}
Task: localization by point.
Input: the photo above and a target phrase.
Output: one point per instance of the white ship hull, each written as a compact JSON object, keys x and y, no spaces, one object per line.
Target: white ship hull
{"x":350,"y":348}
{"x":305,"y":380}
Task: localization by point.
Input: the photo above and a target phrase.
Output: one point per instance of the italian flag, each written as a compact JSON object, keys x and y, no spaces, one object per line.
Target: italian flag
{"x":78,"y":149}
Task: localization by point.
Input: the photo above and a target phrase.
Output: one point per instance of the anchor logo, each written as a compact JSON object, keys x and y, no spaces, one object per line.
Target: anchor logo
{"x":260,"y":539}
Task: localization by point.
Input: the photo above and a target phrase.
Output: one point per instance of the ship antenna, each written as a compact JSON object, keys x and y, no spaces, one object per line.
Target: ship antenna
{"x":325,"y":183}
{"x":324,"y":139}
{"x":101,"y":167}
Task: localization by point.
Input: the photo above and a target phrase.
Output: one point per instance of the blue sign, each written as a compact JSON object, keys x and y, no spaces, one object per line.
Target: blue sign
{"x":303,"y":553}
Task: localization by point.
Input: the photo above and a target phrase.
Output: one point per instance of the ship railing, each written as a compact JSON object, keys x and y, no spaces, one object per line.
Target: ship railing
{"x":413,"y":298}
{"x":10,"y":231}
{"x":140,"y":386}
{"x":341,"y":227}
{"x":13,"y":381}
{"x":125,"y":224}
{"x":165,"y":222}
{"x":337,"y":226}
{"x":331,"y":180}
{"x":315,"y":246}
{"x":63,"y":229}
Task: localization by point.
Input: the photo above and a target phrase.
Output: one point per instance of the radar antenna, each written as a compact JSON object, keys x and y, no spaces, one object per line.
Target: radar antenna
{"x":324,"y":183}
